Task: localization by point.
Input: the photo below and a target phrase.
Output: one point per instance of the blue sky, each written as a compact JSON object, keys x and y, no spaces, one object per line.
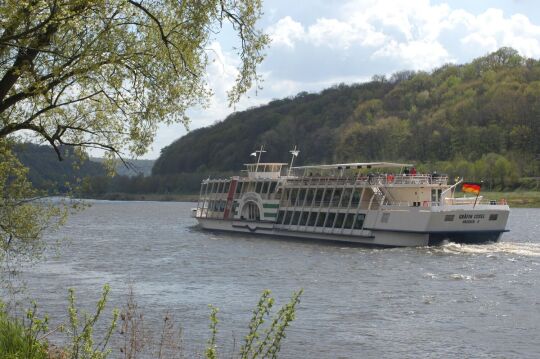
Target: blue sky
{"x":319,"y":43}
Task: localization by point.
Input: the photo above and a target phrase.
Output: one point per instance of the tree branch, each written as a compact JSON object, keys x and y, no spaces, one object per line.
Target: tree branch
{"x":25,"y":58}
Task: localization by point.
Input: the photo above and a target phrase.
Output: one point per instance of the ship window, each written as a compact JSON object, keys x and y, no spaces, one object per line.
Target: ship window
{"x":355,"y":198}
{"x":304,"y":218}
{"x":493,"y":217}
{"x":346,"y":197}
{"x":318,"y":197}
{"x":301,"y":196}
{"x":288,"y":216}
{"x":385,"y":217}
{"x":265,"y":187}
{"x":281,"y":215}
{"x":359,"y":222}
{"x":258,"y":187}
{"x":309,"y":196}
{"x":349,"y":220}
{"x":330,"y":220}
{"x":449,"y":218}
{"x":294,"y":195}
{"x":320,"y":220}
{"x":336,"y":197}
{"x":286,"y":194}
{"x":239,"y":187}
{"x":226,"y":187}
{"x":312,"y":219}
{"x":326,"y":197}
{"x":273,"y":187}
{"x":296,"y":218}
{"x":339,"y":220}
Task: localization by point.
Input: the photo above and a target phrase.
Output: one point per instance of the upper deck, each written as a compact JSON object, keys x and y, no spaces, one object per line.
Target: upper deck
{"x":273,"y":170}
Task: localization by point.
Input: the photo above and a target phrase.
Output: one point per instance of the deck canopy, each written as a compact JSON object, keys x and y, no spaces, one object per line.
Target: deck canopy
{"x":264,"y":170}
{"x":356,"y":165}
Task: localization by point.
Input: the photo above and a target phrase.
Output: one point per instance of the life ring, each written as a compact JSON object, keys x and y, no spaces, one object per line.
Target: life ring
{"x":425,"y":204}
{"x":389,"y":178}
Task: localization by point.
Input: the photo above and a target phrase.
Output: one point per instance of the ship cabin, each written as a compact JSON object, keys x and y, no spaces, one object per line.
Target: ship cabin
{"x":336,"y":196}
{"x":256,"y":193}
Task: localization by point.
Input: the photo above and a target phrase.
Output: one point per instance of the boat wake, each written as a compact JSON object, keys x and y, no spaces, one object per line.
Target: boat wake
{"x":510,"y":248}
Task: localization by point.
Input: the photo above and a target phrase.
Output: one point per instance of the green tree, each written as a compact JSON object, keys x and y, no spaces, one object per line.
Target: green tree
{"x":22,"y":220}
{"x":104,"y":74}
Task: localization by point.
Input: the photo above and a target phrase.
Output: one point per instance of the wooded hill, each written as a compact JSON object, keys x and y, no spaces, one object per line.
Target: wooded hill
{"x":467,"y":115}
{"x":47,"y":173}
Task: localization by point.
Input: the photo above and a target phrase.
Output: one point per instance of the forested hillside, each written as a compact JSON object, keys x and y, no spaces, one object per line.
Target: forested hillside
{"x":467,"y":115}
{"x":47,"y":173}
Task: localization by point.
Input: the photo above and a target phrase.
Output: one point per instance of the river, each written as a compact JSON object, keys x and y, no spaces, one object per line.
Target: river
{"x":456,"y":301}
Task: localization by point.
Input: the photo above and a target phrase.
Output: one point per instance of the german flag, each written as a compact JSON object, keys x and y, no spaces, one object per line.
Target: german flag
{"x":470,"y":187}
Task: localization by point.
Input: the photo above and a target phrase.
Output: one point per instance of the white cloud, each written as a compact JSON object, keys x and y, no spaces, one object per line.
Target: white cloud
{"x":286,"y":32}
{"x":417,"y":55}
{"x":491,"y":30}
{"x":409,"y":32}
{"x":338,"y":34}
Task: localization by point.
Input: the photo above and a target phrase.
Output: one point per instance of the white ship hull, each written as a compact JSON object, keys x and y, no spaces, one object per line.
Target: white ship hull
{"x":402,"y":228}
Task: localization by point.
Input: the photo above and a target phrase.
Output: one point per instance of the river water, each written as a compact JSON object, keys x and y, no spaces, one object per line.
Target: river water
{"x":457,"y":301}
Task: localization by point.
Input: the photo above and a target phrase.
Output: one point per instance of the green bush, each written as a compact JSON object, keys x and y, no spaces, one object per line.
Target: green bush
{"x":19,"y":340}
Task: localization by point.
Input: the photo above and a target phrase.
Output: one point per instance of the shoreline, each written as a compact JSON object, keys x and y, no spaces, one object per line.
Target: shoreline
{"x":146,"y":197}
{"x":517,"y":199}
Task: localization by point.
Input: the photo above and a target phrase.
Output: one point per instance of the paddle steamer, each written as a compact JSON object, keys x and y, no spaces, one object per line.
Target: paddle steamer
{"x":375,"y":203}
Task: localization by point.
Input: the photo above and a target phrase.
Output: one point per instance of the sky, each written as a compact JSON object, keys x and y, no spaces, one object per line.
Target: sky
{"x":320,"y":43}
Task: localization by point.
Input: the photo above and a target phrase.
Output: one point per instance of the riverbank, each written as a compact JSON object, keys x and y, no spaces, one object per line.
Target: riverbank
{"x":521,"y":199}
{"x":525,"y":199}
{"x":172,"y":197}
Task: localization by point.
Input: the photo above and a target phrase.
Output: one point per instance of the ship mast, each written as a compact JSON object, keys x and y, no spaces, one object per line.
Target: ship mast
{"x":294,"y":153}
{"x":259,"y":156}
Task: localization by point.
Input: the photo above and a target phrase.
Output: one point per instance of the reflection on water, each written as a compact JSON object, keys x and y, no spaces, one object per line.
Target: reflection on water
{"x":447,"y":301}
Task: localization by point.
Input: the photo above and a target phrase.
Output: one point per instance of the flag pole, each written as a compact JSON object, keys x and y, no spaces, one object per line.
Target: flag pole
{"x":294,"y":153}
{"x":478,"y":194}
{"x":259,"y":157}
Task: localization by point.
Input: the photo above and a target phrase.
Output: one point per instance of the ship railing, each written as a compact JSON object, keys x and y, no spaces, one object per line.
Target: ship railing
{"x":388,"y":179}
{"x":454,"y":201}
{"x":370,"y":179}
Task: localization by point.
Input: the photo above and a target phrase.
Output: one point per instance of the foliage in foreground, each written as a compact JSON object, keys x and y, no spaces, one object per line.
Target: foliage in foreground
{"x":23,"y":217}
{"x":28,"y":339}
{"x":261,"y":341}
{"x":20,"y":339}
